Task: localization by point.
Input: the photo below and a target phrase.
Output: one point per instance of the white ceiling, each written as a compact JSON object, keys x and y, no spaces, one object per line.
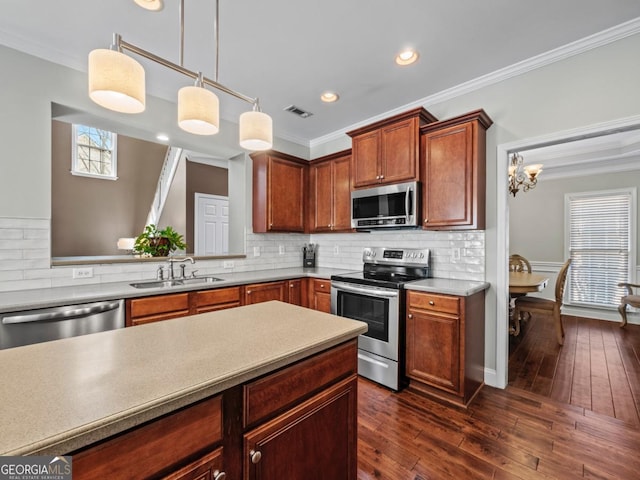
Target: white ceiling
{"x":290,"y":51}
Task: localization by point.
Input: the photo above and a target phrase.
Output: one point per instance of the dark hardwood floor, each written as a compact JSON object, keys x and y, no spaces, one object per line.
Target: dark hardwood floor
{"x":557,"y":420}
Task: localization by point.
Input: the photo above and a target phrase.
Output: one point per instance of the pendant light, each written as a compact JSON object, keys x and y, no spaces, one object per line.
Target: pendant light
{"x":198,"y":109}
{"x":116,"y":82}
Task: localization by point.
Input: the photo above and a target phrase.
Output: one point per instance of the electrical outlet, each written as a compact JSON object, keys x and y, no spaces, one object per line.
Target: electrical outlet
{"x":84,"y":272}
{"x":228,"y":264}
{"x":455,"y":253}
{"x":256,"y":251}
{"x":281,"y":249}
{"x":336,"y":250}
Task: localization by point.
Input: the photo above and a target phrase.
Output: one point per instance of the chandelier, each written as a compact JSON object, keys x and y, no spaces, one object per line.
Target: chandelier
{"x":117,"y":82}
{"x":521,"y":176}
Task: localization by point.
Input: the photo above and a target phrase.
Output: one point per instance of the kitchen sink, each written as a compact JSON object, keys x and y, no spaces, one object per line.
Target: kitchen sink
{"x":176,"y":282}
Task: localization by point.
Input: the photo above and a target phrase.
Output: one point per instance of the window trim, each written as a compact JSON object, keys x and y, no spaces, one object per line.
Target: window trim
{"x":633,"y":242}
{"x":74,"y":155}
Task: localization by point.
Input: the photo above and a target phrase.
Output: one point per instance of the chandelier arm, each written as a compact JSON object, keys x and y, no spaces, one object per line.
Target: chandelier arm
{"x":124,"y":45}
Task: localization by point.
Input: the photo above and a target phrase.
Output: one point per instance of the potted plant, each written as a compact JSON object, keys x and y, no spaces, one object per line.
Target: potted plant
{"x":156,"y":242}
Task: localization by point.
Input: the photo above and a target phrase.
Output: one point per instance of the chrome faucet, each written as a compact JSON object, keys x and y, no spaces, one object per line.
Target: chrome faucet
{"x":171,"y":261}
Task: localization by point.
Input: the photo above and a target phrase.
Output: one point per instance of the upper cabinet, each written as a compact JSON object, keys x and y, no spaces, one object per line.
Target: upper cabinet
{"x":330,"y":193}
{"x":454,"y":172}
{"x":279,"y":182}
{"x":387,"y":152}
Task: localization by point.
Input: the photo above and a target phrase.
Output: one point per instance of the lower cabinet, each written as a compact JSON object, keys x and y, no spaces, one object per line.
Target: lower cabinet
{"x":263,"y":292}
{"x":320,"y":295}
{"x":445,"y":345}
{"x":156,"y":308}
{"x":218,"y":299}
{"x":296,"y":291}
{"x":299,"y":422}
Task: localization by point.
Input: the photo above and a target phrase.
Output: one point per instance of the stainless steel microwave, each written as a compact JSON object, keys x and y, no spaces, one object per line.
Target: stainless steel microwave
{"x":386,"y":206}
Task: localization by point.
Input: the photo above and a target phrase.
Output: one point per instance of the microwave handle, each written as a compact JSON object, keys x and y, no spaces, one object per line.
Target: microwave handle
{"x":407,"y":201}
{"x":347,"y":287}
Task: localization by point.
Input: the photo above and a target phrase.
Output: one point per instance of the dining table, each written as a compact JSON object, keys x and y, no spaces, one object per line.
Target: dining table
{"x":522,"y":283}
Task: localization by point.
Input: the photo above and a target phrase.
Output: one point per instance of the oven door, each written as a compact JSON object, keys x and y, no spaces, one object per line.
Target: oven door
{"x":377,"y":307}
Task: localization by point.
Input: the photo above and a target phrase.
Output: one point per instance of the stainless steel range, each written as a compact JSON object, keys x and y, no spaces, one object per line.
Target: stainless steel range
{"x":376,"y":296}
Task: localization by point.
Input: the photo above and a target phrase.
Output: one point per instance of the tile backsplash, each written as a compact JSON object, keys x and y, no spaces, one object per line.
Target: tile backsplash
{"x":25,"y":255}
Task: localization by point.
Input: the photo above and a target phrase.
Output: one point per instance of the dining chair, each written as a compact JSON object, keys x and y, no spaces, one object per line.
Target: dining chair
{"x":517,"y":263}
{"x":546,"y":306}
{"x":629,"y":299}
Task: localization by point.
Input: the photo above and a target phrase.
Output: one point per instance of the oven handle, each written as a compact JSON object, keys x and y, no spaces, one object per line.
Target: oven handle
{"x":347,"y":287}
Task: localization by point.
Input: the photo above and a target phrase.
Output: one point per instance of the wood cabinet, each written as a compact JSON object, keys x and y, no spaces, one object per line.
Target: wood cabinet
{"x":313,"y":435}
{"x":330,"y":193}
{"x":263,"y":292}
{"x":209,"y":467}
{"x":155,"y":308}
{"x":320,"y":295}
{"x":157,"y":448}
{"x":216,"y":299}
{"x":454,"y":174}
{"x":445,"y":344}
{"x":296,"y":293}
{"x":279,"y":199}
{"x":387,"y":152}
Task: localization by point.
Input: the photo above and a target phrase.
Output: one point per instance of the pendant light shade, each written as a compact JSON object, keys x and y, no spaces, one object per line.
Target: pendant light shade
{"x":256,"y":131}
{"x":198,"y":111}
{"x":153,"y":5}
{"x":116,"y":81}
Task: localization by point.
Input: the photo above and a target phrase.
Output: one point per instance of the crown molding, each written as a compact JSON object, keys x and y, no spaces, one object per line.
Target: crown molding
{"x":613,"y":34}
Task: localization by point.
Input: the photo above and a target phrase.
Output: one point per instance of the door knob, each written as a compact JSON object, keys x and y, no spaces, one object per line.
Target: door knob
{"x":255,"y":456}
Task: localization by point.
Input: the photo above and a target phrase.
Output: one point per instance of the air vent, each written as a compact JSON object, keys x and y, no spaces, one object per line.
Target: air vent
{"x":298,"y":111}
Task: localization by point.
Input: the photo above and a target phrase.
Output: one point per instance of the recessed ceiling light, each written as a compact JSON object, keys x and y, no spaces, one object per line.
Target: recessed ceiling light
{"x":329,"y":97}
{"x":153,"y":5}
{"x":163,"y":137}
{"x":407,"y":57}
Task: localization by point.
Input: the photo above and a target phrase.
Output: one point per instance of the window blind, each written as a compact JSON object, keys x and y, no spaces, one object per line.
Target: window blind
{"x":599,"y":247}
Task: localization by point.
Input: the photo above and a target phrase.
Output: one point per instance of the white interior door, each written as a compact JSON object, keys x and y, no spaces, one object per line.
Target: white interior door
{"x":211,"y":224}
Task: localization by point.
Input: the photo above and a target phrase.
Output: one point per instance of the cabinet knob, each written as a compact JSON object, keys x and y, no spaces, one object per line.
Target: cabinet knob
{"x":410,"y":315}
{"x":381,"y":177}
{"x":431,"y":302}
{"x":248,"y":292}
{"x":291,"y":285}
{"x":255,"y":456}
{"x":219,"y":475}
{"x":322,"y":285}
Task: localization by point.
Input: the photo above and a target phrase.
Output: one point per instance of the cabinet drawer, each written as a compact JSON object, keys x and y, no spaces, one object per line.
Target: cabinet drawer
{"x":143,"y":307}
{"x":320,"y":285}
{"x":216,"y":297}
{"x":156,"y":448}
{"x":275,"y":392}
{"x":433,"y":302}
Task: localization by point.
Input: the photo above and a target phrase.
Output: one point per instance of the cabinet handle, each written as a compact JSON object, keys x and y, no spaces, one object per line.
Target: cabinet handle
{"x":219,"y":475}
{"x":426,"y":220}
{"x":410,"y":316}
{"x":255,"y":456}
{"x":248,"y":292}
{"x":432,"y":303}
{"x":291,"y":285}
{"x":322,"y":285}
{"x":381,"y":177}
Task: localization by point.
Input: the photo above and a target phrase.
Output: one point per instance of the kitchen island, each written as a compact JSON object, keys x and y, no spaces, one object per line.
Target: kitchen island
{"x":265,"y":362}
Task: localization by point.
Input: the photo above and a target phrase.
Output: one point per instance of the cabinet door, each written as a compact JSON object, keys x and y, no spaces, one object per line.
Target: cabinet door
{"x":365,"y":160}
{"x":294,"y":292}
{"x":314,"y":441}
{"x":320,"y":295}
{"x":286,"y":195}
{"x":209,"y":467}
{"x":263,"y":292}
{"x":218,"y":299}
{"x":433,"y":349}
{"x":321,"y":194}
{"x":156,"y":308}
{"x":342,"y":194}
{"x":448,"y":191}
{"x":399,"y":152}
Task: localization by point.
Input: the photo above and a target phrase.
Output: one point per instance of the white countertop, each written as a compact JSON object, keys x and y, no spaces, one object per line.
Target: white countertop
{"x":52,"y":297}
{"x":462,"y":288}
{"x":59,"y":396}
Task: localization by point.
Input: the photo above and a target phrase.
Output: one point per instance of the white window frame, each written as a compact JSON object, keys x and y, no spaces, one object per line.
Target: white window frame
{"x":74,"y":155}
{"x":632,"y":246}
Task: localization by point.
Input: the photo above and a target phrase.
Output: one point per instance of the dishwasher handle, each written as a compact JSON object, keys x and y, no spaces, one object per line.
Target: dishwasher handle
{"x":81,"y":311}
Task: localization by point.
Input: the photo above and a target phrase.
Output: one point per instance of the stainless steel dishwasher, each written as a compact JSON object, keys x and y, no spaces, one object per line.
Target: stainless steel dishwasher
{"x":44,"y":324}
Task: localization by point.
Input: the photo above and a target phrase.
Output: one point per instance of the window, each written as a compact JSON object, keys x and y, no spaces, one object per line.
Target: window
{"x":94,"y":152}
{"x":601,"y":244}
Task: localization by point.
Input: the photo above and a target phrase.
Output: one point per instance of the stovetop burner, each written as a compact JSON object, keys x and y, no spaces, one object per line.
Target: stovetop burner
{"x":389,"y":268}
